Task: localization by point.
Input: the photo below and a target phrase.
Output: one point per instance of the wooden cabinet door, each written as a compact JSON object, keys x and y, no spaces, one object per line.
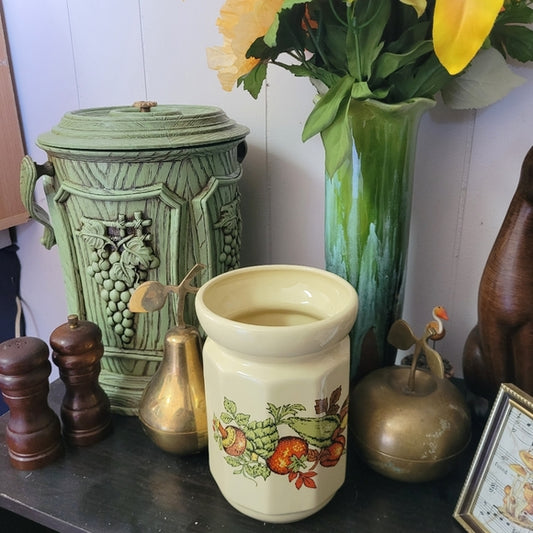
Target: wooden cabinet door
{"x":12,"y":212}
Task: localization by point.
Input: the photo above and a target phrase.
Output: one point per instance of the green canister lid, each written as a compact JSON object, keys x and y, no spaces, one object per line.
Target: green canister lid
{"x":143,"y":126}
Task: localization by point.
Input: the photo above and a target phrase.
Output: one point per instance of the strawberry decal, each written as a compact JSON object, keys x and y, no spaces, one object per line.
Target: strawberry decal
{"x":254,"y":448}
{"x":290,"y":455}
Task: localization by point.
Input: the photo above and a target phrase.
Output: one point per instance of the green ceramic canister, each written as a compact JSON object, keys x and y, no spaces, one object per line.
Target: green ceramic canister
{"x":137,"y":193}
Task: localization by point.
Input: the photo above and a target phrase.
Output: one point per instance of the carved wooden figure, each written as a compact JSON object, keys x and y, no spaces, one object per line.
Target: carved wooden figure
{"x":85,"y":410}
{"x":33,"y":433}
{"x":500,"y":348}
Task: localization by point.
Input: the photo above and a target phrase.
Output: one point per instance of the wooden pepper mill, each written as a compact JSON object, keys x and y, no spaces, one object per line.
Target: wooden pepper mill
{"x":85,"y":410}
{"x":33,"y":432}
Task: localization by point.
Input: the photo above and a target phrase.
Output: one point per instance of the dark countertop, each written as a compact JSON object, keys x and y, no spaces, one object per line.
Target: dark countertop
{"x":126,"y":484}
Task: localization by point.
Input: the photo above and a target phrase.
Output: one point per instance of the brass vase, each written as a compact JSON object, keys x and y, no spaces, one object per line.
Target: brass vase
{"x":172,"y":408}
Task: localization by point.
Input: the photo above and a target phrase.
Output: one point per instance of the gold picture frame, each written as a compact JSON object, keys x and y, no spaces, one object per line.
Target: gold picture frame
{"x":497,"y":496}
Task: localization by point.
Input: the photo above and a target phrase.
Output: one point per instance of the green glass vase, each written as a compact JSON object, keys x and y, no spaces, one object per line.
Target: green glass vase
{"x":367,"y":215}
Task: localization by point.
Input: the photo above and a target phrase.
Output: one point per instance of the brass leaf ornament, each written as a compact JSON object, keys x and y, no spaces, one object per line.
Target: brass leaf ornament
{"x":401,"y":336}
{"x":151,"y":295}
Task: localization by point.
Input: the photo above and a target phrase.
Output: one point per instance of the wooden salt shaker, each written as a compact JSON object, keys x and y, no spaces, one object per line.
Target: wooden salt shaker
{"x":85,"y":410}
{"x":33,"y":432}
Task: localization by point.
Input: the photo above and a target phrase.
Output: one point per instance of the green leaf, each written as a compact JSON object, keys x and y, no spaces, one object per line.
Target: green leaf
{"x":273,"y":410}
{"x":253,"y":81}
{"x":259,"y":50}
{"x":290,"y":409}
{"x":429,"y":79}
{"x":508,"y":34}
{"x":337,"y":141}
{"x":123,"y":272}
{"x":515,"y":13}
{"x":93,"y":232}
{"x":488,"y":79}
{"x":232,"y":461}
{"x":517,"y":41}
{"x":242,"y":419}
{"x":328,"y":78}
{"x":380,"y":93}
{"x":230,"y":406}
{"x":257,"y":470}
{"x":333,"y":50}
{"x":419,"y":31}
{"x":227,"y":419}
{"x":327,"y":107}
{"x":388,"y":62}
{"x":136,"y":253}
{"x":424,"y":80}
{"x":365,"y":41}
{"x":361,"y":91}
{"x":271,"y":35}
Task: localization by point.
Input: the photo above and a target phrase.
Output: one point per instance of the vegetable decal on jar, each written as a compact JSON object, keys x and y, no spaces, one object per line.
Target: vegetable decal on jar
{"x":255,"y":448}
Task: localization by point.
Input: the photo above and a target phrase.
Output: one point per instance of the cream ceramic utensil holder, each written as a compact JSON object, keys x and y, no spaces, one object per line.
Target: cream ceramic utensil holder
{"x":276,"y":370}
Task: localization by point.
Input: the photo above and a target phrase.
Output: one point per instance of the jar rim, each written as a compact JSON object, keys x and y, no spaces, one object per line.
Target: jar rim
{"x":277,"y":310}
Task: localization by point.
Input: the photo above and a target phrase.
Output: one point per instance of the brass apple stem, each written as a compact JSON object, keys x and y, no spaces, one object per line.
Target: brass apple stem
{"x":420,"y":346}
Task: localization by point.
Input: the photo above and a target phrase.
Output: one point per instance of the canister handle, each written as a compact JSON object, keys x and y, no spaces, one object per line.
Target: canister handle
{"x":30,"y":172}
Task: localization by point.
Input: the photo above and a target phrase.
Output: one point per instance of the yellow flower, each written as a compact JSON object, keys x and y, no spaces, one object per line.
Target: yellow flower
{"x":419,"y":5}
{"x":459,"y":29}
{"x":241,"y":22}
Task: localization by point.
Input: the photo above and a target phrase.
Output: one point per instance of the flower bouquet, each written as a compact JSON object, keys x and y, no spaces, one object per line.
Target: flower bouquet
{"x":386,"y":50}
{"x":377,"y":66}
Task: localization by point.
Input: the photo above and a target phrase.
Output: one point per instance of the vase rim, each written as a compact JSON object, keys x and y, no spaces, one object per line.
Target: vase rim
{"x":428,"y":102}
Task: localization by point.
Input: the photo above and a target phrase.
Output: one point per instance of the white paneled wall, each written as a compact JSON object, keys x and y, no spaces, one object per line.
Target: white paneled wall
{"x":72,"y":54}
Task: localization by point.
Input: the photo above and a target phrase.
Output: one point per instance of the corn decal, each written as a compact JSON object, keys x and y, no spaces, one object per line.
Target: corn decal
{"x":254,"y":448}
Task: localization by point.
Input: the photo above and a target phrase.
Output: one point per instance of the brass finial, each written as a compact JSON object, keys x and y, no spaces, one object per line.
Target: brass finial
{"x":145,"y":106}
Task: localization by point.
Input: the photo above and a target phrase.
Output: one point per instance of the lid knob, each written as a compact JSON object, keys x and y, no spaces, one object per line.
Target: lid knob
{"x":73,"y":321}
{"x":144,"y":105}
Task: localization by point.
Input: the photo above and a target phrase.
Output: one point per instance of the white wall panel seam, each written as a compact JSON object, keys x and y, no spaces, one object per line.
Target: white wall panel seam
{"x":143,"y":50}
{"x":72,"y":52}
{"x":461,"y":205}
{"x":268,"y":179}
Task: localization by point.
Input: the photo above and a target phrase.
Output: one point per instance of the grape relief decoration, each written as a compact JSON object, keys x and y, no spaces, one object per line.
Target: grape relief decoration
{"x":119,"y":259}
{"x":255,"y":449}
{"x":230,"y":223}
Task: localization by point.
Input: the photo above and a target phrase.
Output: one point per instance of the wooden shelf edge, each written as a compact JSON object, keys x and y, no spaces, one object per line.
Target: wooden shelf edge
{"x":14,"y":220}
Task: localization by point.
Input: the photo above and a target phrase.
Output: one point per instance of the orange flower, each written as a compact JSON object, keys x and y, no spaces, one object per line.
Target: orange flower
{"x":241,"y":22}
{"x":308,"y":22}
